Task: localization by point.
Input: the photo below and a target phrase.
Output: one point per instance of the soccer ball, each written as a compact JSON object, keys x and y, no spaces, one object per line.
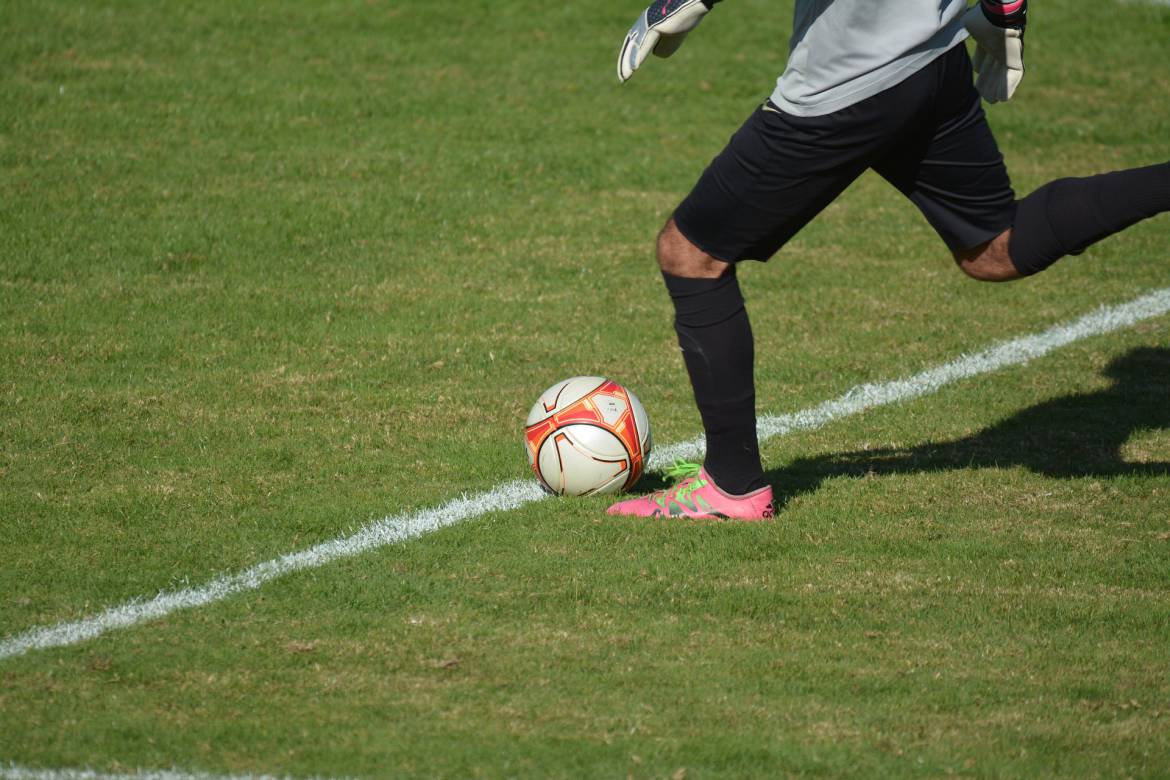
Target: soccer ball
{"x":586,"y":436}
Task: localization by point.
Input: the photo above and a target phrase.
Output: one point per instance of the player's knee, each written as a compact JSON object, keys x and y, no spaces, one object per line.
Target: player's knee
{"x":677,"y":256}
{"x":989,"y":262}
{"x":979,"y":270}
{"x":665,"y":250}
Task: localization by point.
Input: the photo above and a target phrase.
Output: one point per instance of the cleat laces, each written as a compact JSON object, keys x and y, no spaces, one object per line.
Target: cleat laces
{"x":688,"y":475}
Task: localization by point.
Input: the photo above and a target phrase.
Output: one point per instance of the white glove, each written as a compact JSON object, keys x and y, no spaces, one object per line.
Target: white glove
{"x":660,"y":29}
{"x":999,"y":55}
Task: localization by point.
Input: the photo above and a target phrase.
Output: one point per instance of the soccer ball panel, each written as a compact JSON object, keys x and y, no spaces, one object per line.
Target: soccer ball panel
{"x":579,"y":460}
{"x":611,"y":406}
{"x":562,"y":395}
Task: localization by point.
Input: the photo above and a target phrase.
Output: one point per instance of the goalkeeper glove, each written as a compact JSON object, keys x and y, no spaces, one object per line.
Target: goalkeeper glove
{"x":660,"y":29}
{"x":998,"y":30}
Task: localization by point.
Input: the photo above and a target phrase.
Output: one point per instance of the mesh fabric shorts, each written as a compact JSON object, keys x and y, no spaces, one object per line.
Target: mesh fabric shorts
{"x":928,"y":136}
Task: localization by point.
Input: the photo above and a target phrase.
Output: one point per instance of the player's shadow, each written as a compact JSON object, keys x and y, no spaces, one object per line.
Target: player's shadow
{"x":1077,"y":435}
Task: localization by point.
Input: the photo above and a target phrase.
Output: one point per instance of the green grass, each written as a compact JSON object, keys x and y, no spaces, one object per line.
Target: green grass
{"x":269,"y":271}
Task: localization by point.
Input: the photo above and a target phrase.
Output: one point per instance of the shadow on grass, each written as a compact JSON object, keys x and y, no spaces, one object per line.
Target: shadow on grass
{"x":1078,"y":435}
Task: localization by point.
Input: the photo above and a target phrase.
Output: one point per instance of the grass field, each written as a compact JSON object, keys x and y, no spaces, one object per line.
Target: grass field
{"x":272,"y":271}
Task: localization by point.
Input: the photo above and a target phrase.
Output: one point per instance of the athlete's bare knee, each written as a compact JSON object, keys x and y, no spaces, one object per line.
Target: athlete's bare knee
{"x":677,"y":256}
{"x":989,"y":262}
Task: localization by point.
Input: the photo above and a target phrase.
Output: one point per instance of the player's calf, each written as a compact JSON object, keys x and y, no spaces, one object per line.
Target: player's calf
{"x":1067,"y":216}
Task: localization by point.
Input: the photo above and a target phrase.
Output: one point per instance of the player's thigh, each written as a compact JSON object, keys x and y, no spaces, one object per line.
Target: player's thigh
{"x":951,"y":166}
{"x":775,"y":174}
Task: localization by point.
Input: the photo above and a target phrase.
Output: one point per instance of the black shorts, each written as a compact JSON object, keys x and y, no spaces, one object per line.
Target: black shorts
{"x":928,"y":136}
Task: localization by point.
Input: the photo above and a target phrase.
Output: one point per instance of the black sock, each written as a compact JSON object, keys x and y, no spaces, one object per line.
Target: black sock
{"x":716,"y":341}
{"x":1068,"y":215}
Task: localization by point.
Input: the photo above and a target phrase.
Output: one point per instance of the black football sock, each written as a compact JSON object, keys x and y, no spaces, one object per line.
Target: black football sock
{"x":716,"y":341}
{"x":1066,"y":216}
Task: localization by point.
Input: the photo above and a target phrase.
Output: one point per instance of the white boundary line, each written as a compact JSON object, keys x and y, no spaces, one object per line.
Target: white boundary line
{"x":511,"y":495}
{"x":17,"y":772}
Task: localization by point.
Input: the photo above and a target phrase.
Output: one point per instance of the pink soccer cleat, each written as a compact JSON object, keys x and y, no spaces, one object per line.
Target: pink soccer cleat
{"x":698,"y":497}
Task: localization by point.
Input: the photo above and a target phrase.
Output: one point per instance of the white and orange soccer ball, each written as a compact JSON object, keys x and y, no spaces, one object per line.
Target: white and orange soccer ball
{"x":586,"y":436}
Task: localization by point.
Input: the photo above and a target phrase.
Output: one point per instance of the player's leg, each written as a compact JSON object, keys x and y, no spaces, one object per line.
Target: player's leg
{"x":715,"y":337}
{"x":953,"y":171}
{"x":754,"y":196}
{"x":1067,"y":216}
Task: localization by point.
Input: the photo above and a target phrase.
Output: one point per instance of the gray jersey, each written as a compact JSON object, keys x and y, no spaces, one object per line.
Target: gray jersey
{"x":843,"y":51}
